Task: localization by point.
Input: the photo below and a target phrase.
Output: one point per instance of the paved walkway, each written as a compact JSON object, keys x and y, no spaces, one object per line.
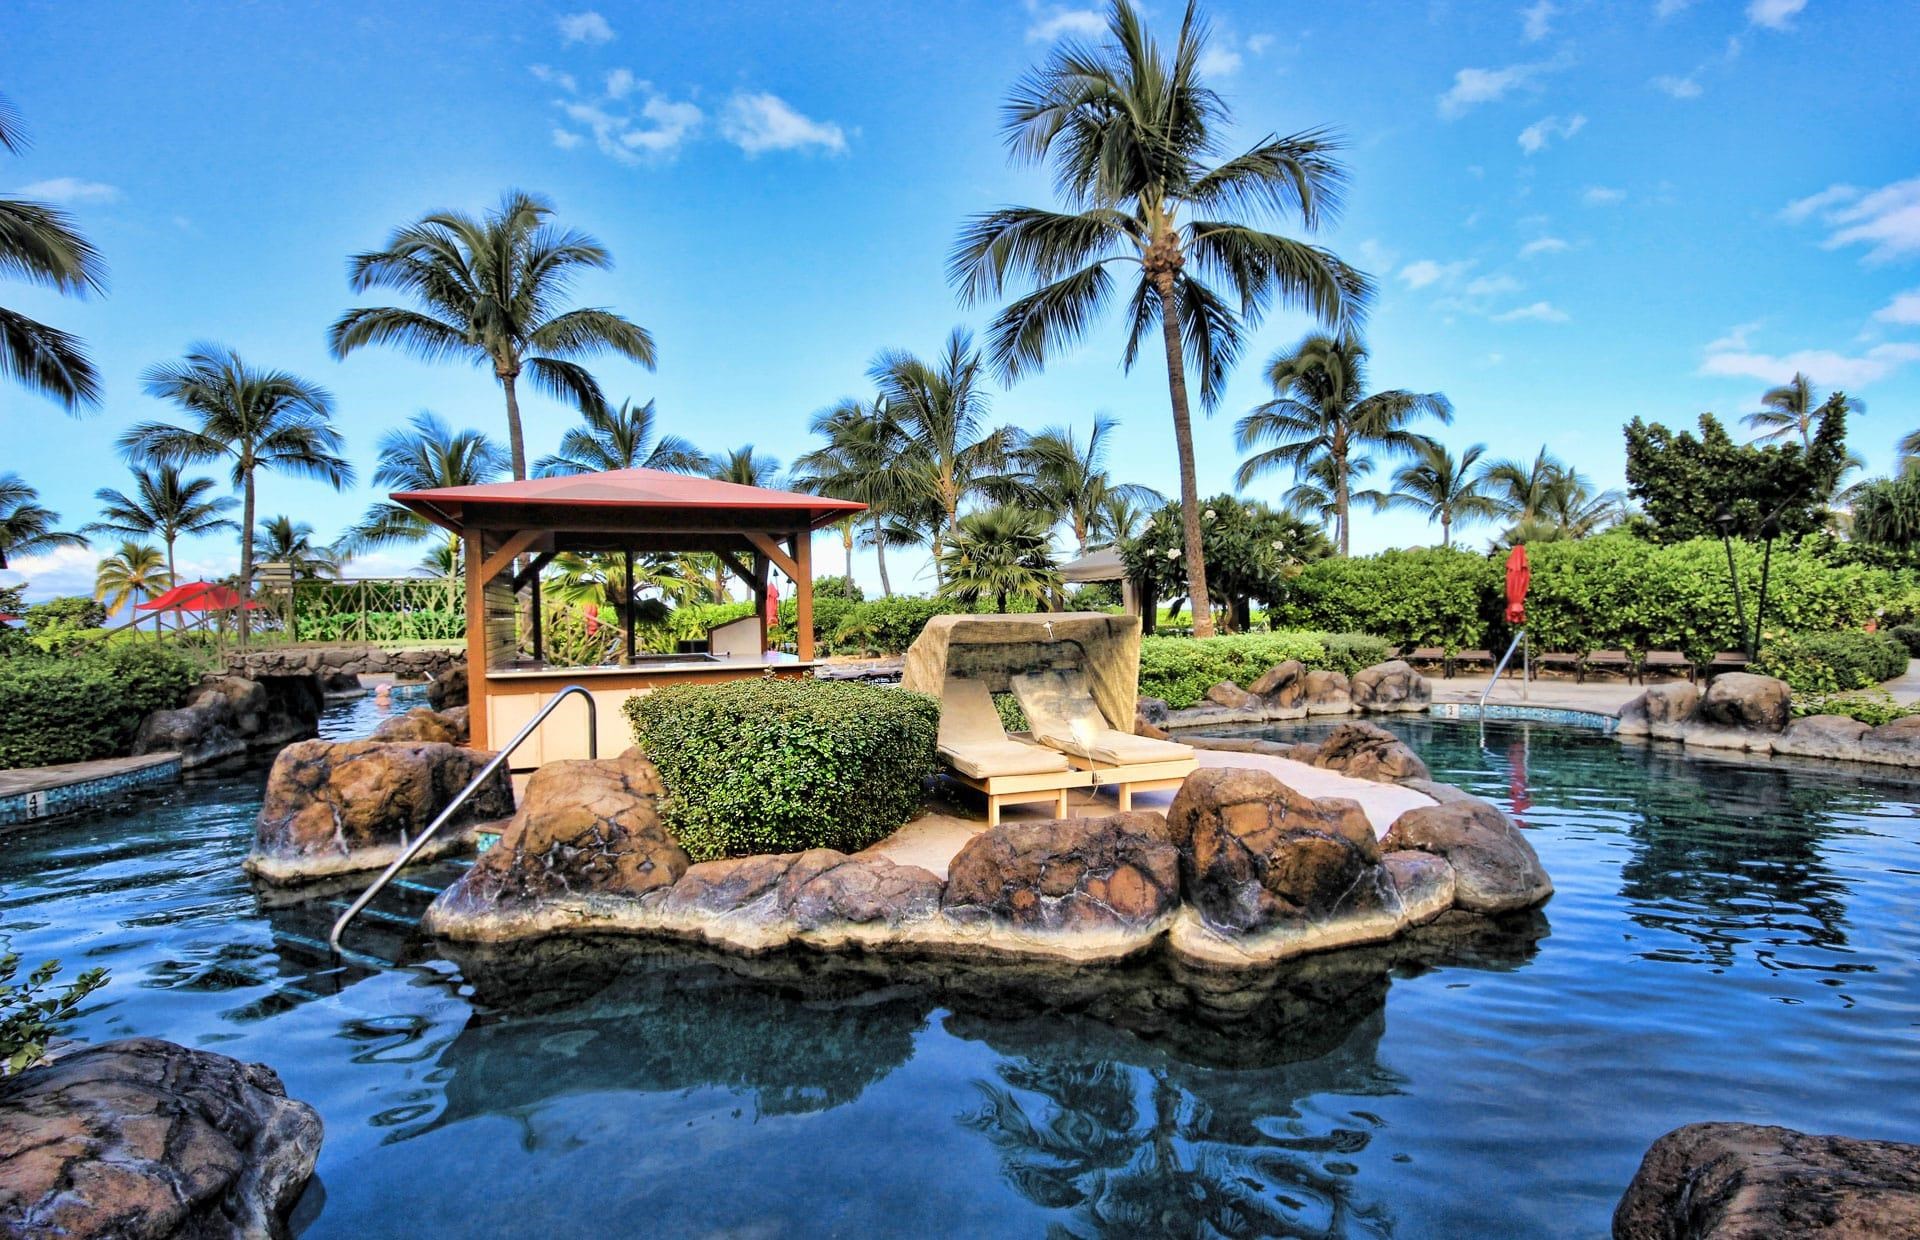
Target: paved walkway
{"x":42,"y":778}
{"x":1906,"y":689}
{"x":1604,"y":696}
{"x":931,"y":840}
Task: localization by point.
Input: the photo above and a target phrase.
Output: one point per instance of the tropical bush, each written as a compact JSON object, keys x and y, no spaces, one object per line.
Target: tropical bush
{"x":67,"y":612}
{"x":88,"y":704}
{"x":1872,"y":707}
{"x":888,"y":625}
{"x":30,"y":1018}
{"x":1412,"y":598}
{"x":1907,"y":635}
{"x":1832,"y":662}
{"x":1182,"y":669}
{"x":772,"y":765}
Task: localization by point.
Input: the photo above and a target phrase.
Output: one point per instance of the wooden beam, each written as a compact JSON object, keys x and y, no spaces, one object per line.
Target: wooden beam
{"x":803,"y":595}
{"x":765,"y":545}
{"x":626,"y":609}
{"x":733,"y":562}
{"x":476,"y":642}
{"x":510,"y":551}
{"x":532,"y":570}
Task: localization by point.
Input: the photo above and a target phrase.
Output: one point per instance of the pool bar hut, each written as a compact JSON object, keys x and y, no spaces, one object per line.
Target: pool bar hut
{"x":510,"y":531}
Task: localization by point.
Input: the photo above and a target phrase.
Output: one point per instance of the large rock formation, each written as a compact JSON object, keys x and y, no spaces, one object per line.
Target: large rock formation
{"x":1661,"y":712}
{"x":1368,"y":751}
{"x":584,"y":829}
{"x":1746,"y":1181}
{"x":820,"y":897}
{"x":1391,"y":686}
{"x":1743,"y":711}
{"x":1073,"y":887}
{"x":1284,"y":689}
{"x":145,"y":1138}
{"x":1326,"y":693}
{"x":414,"y":663}
{"x":1495,"y":870}
{"x":424,"y":724}
{"x":228,"y":717}
{"x":448,"y":689}
{"x":1744,"y":700}
{"x":334,"y":807}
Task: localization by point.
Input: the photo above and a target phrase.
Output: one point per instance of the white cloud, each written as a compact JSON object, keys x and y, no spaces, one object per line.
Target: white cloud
{"x":660,"y":128}
{"x":1472,"y":87}
{"x":1543,"y":245}
{"x":587,"y":27}
{"x":1823,"y":366}
{"x":1422,"y":272}
{"x":1219,"y":61}
{"x":1736,"y":338}
{"x":1678,"y":87}
{"x":1832,"y":196}
{"x":564,"y":80}
{"x":1536,"y":22}
{"x":1603,"y":196}
{"x":1774,"y":14}
{"x":1493,"y":286}
{"x":1903,"y":309}
{"x":63,"y":570}
{"x":1050,"y":22}
{"x":1668,"y":8}
{"x":1373,"y":256}
{"x":765,"y":122}
{"x":621,"y":83}
{"x":1537,"y":136}
{"x":1259,"y":43}
{"x":1538,"y":312}
{"x":1885,"y":220}
{"x":69,"y":190}
{"x":566,"y":139}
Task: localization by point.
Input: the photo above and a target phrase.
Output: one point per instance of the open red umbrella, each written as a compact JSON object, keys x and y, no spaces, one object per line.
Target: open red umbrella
{"x":1519,"y":577}
{"x":197,"y":596}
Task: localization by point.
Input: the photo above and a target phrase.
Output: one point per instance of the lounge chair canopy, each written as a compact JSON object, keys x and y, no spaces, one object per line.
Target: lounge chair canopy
{"x":992,"y":650}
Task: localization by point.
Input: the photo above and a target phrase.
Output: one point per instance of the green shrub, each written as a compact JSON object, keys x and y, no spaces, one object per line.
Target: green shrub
{"x":29,"y":1018}
{"x":829,"y":612}
{"x":85,"y":705}
{"x":1012,"y":716}
{"x":1434,"y":597}
{"x":1832,"y":662}
{"x":888,"y":625}
{"x":772,"y":765}
{"x":1870,"y":706}
{"x":1349,"y":652}
{"x":1182,"y":669}
{"x":72,"y":611}
{"x":1907,"y":635}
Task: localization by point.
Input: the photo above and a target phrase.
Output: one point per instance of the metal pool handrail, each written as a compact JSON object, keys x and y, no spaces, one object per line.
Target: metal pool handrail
{"x":411,"y":849}
{"x":1519,"y":639}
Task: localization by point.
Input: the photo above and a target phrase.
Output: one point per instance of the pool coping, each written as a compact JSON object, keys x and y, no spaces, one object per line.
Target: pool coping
{"x":1563,"y":715}
{"x":33,"y":794}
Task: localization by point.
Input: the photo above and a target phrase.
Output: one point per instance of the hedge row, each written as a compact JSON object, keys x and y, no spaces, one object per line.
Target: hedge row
{"x":87,"y":704}
{"x":1833,"y":662}
{"x":1181,"y":669}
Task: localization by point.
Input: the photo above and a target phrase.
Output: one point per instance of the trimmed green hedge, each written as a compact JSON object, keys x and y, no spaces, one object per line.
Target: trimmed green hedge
{"x":85,"y":705}
{"x":775,"y":766}
{"x":1182,"y":669}
{"x":1833,"y":662}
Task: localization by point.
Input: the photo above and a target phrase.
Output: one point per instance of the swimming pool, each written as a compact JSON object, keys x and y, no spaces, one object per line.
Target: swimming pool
{"x":1727,"y":942}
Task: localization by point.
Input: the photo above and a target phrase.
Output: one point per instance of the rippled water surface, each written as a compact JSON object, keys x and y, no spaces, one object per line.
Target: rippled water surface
{"x":1727,"y":942}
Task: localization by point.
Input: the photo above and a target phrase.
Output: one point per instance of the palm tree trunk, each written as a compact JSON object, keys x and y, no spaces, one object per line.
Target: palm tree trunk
{"x":1342,"y":490}
{"x":846,"y":544}
{"x":246,"y":548}
{"x":173,"y":579}
{"x":880,"y":554}
{"x":515,"y":440}
{"x":1446,"y":530}
{"x":1183,"y":444}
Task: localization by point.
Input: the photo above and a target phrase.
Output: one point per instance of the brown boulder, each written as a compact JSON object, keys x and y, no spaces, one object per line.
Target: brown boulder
{"x":1897,"y":743}
{"x":1327,"y":693}
{"x":1080,"y":874}
{"x":812,"y":891}
{"x":1495,"y":869}
{"x":145,"y":1138}
{"x":1284,"y":686}
{"x":333,"y":807}
{"x":1660,"y":711}
{"x":1233,"y":697}
{"x":1390,"y":686}
{"x":1369,"y":751}
{"x":1824,"y":736}
{"x":1727,"y":1181}
{"x":424,"y":724}
{"x":1745,"y":700}
{"x":448,"y":689}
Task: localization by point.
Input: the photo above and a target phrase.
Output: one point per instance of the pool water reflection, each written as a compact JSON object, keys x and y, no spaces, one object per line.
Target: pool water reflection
{"x":1727,"y":942}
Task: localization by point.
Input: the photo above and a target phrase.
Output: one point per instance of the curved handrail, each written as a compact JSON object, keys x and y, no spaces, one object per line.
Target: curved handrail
{"x":1494,"y":679}
{"x":412,"y":849}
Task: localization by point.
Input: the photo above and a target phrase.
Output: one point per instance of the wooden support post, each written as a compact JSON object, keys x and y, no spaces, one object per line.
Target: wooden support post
{"x":476,"y":640}
{"x":539,"y":620}
{"x":758,"y":584}
{"x":626,"y":609}
{"x":803,"y":594}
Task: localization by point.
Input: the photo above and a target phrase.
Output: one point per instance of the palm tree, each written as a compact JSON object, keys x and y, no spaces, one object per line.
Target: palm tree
{"x":1071,"y":478}
{"x":257,"y":419}
{"x":1119,"y":518}
{"x":952,"y":455}
{"x":1444,"y":489}
{"x":743,"y":468}
{"x":1793,"y":409}
{"x":1315,"y":492}
{"x":623,"y":438}
{"x":1524,"y":488}
{"x":1321,"y":411}
{"x":137,"y":571}
{"x":1134,"y":134}
{"x":859,"y":462}
{"x":430,"y":456}
{"x":1003,"y":553}
{"x":26,"y":525}
{"x":164,"y":504}
{"x":489,"y":291}
{"x":282,"y":540}
{"x":39,"y":243}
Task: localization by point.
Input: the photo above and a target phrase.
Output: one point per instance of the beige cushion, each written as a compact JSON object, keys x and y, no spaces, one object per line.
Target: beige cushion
{"x":1111,"y":748}
{"x":1064,"y":715}
{"x":987,"y":759}
{"x":973,"y":742}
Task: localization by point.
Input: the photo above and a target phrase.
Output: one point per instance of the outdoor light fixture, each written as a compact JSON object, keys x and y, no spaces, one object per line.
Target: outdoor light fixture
{"x":1724,"y":519}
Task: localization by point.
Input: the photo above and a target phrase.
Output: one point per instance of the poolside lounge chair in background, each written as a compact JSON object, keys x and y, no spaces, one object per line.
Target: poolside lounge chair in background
{"x":979,"y":753}
{"x":1063,"y":715}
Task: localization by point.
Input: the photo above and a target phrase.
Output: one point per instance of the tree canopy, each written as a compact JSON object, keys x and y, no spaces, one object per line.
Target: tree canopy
{"x":1684,"y":481}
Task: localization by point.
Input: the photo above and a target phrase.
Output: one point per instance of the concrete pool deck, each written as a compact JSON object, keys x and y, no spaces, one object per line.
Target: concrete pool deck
{"x":933,"y":839}
{"x":29,"y":794}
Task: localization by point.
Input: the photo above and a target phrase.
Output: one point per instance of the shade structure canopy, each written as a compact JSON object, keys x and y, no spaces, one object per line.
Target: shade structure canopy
{"x":1102,"y":565}
{"x":197,"y":596}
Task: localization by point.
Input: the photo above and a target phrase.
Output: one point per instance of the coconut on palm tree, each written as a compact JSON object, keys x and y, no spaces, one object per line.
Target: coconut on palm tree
{"x":166,"y":505}
{"x":135,"y":572}
{"x":1443,"y":489}
{"x":1792,"y":411}
{"x":254,"y":419}
{"x":623,"y":438}
{"x":1070,"y":477}
{"x":426,"y":457}
{"x":26,"y":525}
{"x":1002,"y":553}
{"x":1322,"y":422}
{"x":39,"y":243}
{"x":1136,"y":140}
{"x":491,"y":290}
{"x":860,"y":461}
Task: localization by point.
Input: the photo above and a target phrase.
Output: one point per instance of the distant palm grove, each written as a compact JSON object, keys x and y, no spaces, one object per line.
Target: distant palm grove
{"x":1188,"y":242}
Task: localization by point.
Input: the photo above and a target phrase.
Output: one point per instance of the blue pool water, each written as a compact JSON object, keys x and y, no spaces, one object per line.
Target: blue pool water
{"x":1727,"y":942}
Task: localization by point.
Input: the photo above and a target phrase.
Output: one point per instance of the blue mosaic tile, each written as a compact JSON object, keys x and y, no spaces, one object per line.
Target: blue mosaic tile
{"x":1528,"y":714}
{"x":24,"y":807}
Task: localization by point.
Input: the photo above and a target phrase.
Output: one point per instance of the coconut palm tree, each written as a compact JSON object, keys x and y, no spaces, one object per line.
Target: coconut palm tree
{"x":166,"y":505}
{"x":1321,"y":411}
{"x":429,"y":456}
{"x":282,"y":540}
{"x":1444,"y":489}
{"x":1070,"y":477}
{"x":491,"y":290}
{"x":952,"y":454}
{"x":1792,"y":410}
{"x":1522,"y":489}
{"x":39,"y":243}
{"x":1119,"y":518}
{"x":26,"y":525}
{"x":1135,"y":137}
{"x":1002,"y":553}
{"x":743,"y":468}
{"x":623,"y":438}
{"x":1314,"y":495}
{"x":136,"y":571}
{"x":255,"y":419}
{"x":858,"y":462}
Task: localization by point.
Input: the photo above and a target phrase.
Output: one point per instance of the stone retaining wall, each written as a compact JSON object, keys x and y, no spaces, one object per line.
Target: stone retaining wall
{"x":408,"y":663}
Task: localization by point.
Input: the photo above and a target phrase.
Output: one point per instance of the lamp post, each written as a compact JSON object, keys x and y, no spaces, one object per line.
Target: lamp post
{"x":1724,"y":519}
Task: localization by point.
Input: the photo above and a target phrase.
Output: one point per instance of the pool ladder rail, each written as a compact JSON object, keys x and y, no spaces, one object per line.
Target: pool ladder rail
{"x":411,"y":848}
{"x":1521,"y":644}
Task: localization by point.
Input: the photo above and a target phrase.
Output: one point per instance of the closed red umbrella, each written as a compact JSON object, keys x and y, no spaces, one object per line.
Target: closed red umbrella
{"x":1519,"y":577}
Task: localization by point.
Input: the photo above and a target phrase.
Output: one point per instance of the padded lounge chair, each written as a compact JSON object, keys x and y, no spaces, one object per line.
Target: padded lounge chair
{"x":1064,"y":716}
{"x":979,"y":753}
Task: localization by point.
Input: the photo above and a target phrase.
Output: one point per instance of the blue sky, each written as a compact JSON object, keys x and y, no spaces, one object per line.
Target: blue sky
{"x":1576,"y":212}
